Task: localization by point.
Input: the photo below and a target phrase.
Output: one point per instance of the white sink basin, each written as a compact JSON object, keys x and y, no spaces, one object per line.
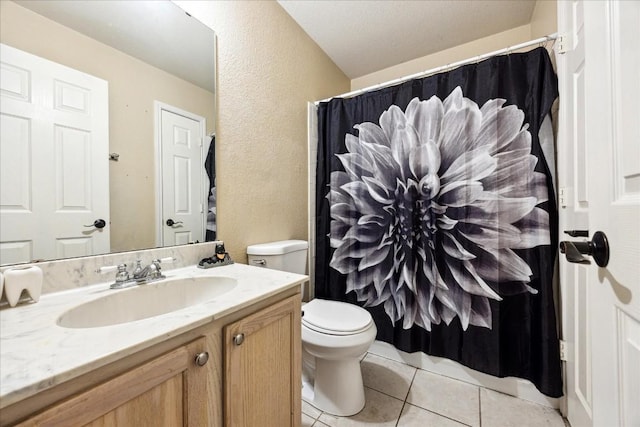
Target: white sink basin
{"x":144,"y":301}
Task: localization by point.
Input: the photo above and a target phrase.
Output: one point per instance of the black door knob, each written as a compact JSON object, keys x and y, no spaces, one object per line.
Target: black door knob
{"x":577,"y":233}
{"x":171,"y":222}
{"x":98,"y":223}
{"x":598,"y":248}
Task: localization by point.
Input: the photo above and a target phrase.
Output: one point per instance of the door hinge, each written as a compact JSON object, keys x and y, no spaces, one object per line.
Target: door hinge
{"x":201,"y":208}
{"x":565,"y":196}
{"x":563,"y":43}
{"x":563,"y":350}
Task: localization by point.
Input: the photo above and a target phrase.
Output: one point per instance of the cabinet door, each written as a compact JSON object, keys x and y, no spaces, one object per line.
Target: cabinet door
{"x":170,"y":391}
{"x":262,"y":385}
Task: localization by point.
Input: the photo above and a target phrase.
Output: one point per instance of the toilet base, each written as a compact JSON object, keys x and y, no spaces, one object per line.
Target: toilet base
{"x":337,"y":387}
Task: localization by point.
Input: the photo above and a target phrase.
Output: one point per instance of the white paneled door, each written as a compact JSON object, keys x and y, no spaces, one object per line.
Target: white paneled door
{"x":54,"y":172}
{"x":599,"y":180}
{"x":182,"y":176}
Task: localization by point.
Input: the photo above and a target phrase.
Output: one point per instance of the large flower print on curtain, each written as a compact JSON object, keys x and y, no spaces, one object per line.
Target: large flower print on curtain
{"x":431,"y":206}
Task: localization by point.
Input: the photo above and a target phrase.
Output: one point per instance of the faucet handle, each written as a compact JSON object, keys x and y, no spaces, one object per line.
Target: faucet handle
{"x":108,"y":268}
{"x":111,"y":268}
{"x":138,"y":268}
{"x":122,"y":275}
{"x":157,"y":273}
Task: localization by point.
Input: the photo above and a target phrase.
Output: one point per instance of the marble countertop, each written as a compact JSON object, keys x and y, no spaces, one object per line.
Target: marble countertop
{"x":36,"y":353}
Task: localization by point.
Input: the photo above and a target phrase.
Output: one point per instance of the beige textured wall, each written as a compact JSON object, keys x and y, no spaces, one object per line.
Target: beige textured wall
{"x":543,"y":22}
{"x":447,"y":56}
{"x":268,"y":69}
{"x":133,"y":86}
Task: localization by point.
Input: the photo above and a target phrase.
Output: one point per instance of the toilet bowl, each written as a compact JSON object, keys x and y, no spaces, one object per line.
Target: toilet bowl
{"x":335,"y":336}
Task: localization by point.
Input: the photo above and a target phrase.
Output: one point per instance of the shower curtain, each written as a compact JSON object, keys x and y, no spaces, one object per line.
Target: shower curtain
{"x":436,"y":212}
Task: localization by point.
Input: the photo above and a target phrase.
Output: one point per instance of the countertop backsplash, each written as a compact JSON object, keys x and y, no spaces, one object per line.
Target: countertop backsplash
{"x":64,"y":274}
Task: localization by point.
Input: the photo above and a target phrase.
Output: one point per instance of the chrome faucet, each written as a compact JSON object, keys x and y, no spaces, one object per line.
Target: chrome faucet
{"x":148,"y":273}
{"x":122,"y":276}
{"x":139,"y":276}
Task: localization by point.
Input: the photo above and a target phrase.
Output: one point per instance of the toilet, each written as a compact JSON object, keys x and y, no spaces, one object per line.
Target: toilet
{"x":335,"y":336}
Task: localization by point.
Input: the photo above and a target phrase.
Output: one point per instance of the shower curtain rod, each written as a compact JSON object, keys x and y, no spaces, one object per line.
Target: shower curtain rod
{"x":447,"y":67}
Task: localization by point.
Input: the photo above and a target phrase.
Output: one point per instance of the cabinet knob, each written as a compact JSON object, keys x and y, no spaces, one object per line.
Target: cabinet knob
{"x":202,"y":358}
{"x":238,"y":339}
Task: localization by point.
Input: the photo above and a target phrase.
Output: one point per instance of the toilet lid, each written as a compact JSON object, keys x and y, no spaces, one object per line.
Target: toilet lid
{"x":335,"y":318}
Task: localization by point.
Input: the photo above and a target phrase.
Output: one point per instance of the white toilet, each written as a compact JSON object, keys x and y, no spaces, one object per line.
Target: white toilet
{"x":335,"y":336}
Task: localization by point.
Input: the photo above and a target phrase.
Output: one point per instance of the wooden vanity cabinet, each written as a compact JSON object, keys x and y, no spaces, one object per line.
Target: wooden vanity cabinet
{"x":249,"y":381}
{"x":169,"y":390}
{"x":262,"y":384}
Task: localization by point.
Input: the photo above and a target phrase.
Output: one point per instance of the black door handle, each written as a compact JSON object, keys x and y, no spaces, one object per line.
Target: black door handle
{"x":98,"y":223}
{"x":171,"y":222}
{"x":598,"y":248}
{"x":577,"y":233}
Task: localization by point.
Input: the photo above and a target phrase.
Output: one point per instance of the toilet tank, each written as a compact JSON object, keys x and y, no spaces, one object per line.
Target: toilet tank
{"x":285,"y":255}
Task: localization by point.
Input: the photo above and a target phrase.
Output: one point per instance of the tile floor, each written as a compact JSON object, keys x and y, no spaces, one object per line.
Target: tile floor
{"x":401,"y":395}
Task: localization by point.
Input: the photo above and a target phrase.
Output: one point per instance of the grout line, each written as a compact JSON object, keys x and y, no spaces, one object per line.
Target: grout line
{"x":480,"y":406}
{"x":394,"y":360}
{"x":400,"y":414}
{"x":428,"y":410}
{"x":432,"y":372}
{"x":385,"y":393}
{"x":404,"y":403}
{"x":309,"y":415}
{"x":382,"y":392}
{"x":318,"y":423}
{"x":410,"y":385}
{"x":409,"y":390}
{"x":440,"y":415}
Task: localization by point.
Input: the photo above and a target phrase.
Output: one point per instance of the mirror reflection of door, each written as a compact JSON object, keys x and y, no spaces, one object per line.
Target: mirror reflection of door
{"x":54,"y":161}
{"x":183,"y":183}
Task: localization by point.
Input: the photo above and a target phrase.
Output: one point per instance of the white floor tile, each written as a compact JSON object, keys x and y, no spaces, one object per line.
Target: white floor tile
{"x":380,"y":410}
{"x":307,"y":421}
{"x":412,"y":416}
{"x":433,"y":400}
{"x":310,"y":410}
{"x":387,"y":376}
{"x":445,"y":396}
{"x":501,"y":410}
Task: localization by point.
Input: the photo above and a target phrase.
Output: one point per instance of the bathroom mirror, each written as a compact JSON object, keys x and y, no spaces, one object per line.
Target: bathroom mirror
{"x":159,"y":65}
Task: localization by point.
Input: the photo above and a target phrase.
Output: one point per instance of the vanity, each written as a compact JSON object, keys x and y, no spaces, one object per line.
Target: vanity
{"x":78,"y":357}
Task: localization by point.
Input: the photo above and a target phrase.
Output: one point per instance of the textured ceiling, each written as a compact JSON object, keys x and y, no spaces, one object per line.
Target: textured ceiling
{"x":364,"y":36}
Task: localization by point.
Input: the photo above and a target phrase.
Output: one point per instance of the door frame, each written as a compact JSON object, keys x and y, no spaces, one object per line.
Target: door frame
{"x":158,"y":108}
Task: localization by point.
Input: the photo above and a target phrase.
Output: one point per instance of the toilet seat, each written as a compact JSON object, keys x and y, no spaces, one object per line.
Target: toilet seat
{"x":335,"y":317}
